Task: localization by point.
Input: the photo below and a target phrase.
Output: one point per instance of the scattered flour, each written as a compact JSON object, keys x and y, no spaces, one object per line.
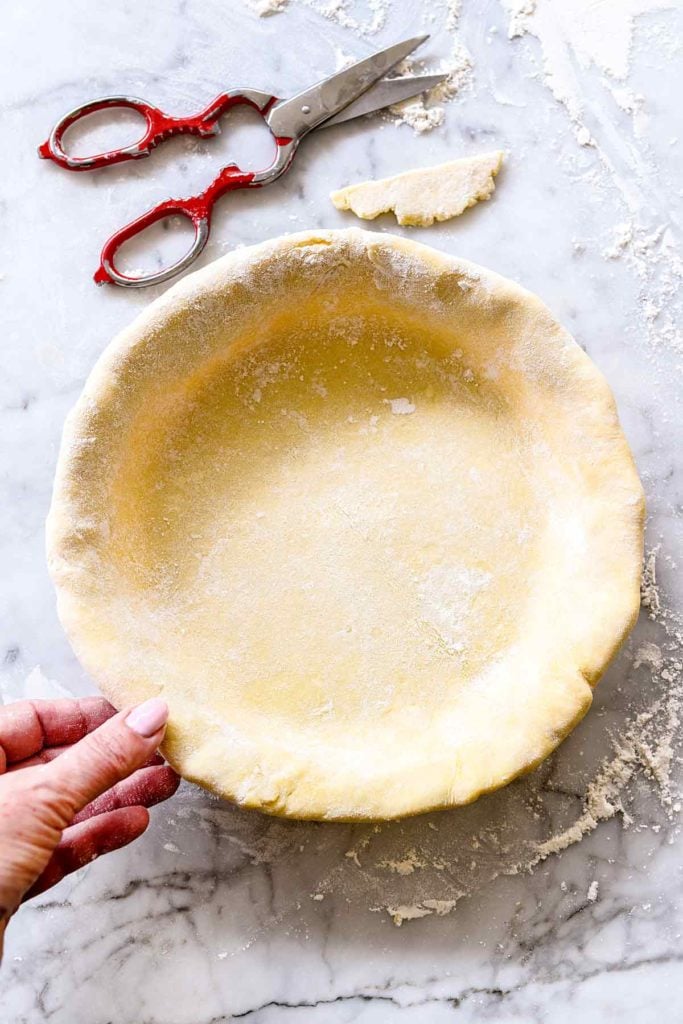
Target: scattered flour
{"x":428,"y":112}
{"x":341,"y":12}
{"x":414,"y":911}
{"x":580,"y":35}
{"x":417,"y":115}
{"x":584,"y":35}
{"x":400,"y":406}
{"x":264,"y":8}
{"x":634,"y":104}
{"x":424,"y":113}
{"x":599,"y":34}
{"x":649,"y":654}
{"x":649,"y":594}
{"x":406,"y":865}
{"x":37,"y":686}
{"x":342,"y":59}
{"x":654,"y":257}
{"x":447,"y":595}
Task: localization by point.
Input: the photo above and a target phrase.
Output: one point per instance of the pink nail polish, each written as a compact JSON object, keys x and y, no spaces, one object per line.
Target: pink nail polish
{"x":147,"y":718}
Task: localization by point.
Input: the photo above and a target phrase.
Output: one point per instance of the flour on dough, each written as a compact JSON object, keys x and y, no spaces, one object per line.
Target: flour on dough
{"x":426,"y":194}
{"x":321,"y":496}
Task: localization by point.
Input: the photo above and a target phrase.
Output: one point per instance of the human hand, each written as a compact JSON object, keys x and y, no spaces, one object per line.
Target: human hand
{"x":75,"y":781}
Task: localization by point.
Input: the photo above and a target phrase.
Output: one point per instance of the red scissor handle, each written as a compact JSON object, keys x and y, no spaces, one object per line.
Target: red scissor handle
{"x":197,"y":209}
{"x":160,"y":126}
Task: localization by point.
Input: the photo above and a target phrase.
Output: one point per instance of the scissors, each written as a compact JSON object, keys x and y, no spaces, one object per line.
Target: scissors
{"x":356,"y":90}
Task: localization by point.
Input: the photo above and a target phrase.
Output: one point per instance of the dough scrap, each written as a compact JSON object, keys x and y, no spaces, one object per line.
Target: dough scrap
{"x":426,"y":194}
{"x":361,"y":512}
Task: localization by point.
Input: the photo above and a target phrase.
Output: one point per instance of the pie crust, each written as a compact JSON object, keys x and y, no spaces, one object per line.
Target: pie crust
{"x":361,"y":512}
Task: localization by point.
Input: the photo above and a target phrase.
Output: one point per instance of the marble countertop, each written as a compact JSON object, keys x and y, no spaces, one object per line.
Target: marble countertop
{"x":218,"y":914}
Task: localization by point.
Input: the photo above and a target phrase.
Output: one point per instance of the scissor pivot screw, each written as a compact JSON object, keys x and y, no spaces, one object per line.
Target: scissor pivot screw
{"x":305,"y":109}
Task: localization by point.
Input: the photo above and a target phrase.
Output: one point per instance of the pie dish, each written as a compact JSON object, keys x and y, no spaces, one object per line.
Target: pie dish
{"x":361,"y":512}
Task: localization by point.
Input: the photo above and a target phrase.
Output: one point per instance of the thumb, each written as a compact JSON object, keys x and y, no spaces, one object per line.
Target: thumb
{"x":107,"y":755}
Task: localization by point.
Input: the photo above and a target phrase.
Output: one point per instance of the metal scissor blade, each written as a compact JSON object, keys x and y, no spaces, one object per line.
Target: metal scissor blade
{"x":383,"y":94}
{"x":295,"y":117}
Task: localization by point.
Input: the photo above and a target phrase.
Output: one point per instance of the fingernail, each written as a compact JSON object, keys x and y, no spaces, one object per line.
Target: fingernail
{"x":148,"y":718}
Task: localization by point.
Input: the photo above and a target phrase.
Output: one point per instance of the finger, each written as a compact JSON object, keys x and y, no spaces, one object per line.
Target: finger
{"x":29,"y":725}
{"x":50,"y":753}
{"x":144,"y":788}
{"x":104,"y":757}
{"x":83,"y":843}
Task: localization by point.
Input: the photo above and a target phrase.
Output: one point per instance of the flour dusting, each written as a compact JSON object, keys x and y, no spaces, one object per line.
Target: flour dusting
{"x":653,"y":256}
{"x":586,"y":56}
{"x":600,"y":34}
{"x":414,"y":911}
{"x":37,"y":686}
{"x":447,"y":597}
{"x":426,"y":112}
{"x":580,"y":35}
{"x":400,"y":406}
{"x":422,"y":113}
{"x":264,"y":8}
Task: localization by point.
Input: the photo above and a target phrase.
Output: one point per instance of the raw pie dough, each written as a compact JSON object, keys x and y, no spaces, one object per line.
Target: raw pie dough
{"x":361,"y":512}
{"x":424,"y":195}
